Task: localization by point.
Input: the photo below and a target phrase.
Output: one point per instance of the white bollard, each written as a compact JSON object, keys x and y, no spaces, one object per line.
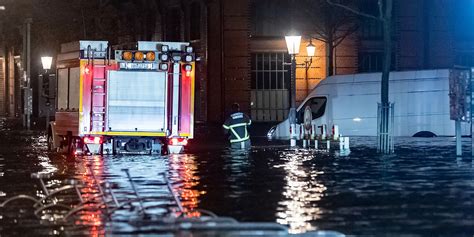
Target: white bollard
{"x":346,"y":143}
{"x":344,"y":146}
{"x":305,"y":143}
{"x":316,"y":144}
{"x":323,"y":132}
{"x":328,"y":145}
{"x":336,"y":132}
{"x":292,"y":135}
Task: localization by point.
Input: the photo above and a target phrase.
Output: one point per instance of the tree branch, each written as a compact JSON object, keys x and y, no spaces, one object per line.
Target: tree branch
{"x":338,"y":40}
{"x":354,"y":10}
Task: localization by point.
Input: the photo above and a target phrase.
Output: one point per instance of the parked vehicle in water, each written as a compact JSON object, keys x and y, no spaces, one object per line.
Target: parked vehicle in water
{"x":421,"y":101}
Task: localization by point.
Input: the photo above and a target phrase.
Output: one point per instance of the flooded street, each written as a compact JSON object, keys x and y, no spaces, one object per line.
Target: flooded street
{"x":422,"y":190}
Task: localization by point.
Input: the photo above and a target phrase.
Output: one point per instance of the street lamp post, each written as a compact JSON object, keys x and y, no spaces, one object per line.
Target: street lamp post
{"x":293,"y":45}
{"x":46,"y":62}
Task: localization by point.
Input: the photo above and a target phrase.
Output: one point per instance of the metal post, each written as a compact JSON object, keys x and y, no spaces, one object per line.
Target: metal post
{"x":47,"y":97}
{"x":292,"y":115}
{"x":293,"y":81}
{"x":385,"y":121}
{"x":47,"y":116}
{"x":27,"y":74}
{"x":458,"y":138}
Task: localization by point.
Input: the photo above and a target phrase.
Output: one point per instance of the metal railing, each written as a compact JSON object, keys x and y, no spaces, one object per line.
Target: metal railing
{"x":385,"y":121}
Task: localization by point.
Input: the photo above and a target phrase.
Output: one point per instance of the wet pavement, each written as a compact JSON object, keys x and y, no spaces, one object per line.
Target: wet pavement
{"x":422,"y":190}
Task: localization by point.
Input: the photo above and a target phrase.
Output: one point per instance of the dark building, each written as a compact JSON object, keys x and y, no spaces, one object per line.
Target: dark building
{"x":242,"y":48}
{"x":242,"y":51}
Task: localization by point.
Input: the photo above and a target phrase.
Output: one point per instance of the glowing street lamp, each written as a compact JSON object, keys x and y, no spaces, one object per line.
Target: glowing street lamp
{"x":310,"y":49}
{"x":293,"y":44}
{"x":46,"y":61}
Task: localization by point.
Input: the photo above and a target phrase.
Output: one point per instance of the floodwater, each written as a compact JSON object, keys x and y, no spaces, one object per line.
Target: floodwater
{"x":421,"y":190}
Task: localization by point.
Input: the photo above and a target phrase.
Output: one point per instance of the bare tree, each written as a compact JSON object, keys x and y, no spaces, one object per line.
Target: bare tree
{"x":329,"y":24}
{"x":384,"y":16}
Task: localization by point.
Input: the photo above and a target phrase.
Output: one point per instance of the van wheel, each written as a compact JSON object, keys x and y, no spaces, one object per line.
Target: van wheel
{"x":424,"y":134}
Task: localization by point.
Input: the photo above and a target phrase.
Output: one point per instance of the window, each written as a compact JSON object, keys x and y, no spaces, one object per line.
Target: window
{"x":270,"y":17}
{"x":269,"y":71}
{"x":465,"y":59}
{"x":370,"y":28}
{"x":317,"y":105}
{"x":270,"y":86}
{"x":373,"y":62}
{"x":370,"y":62}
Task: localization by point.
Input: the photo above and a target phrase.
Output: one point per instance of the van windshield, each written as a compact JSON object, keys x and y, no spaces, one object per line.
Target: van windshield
{"x":317,"y":105}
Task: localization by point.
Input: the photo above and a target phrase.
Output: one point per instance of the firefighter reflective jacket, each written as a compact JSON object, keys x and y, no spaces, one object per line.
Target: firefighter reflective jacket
{"x":237,"y":124}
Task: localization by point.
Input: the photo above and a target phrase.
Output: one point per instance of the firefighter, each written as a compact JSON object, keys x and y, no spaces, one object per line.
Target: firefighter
{"x":236,"y":127}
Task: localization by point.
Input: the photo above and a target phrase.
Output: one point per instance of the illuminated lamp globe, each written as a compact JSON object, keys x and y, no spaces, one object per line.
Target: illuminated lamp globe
{"x":310,"y":49}
{"x":46,"y":62}
{"x":293,"y":44}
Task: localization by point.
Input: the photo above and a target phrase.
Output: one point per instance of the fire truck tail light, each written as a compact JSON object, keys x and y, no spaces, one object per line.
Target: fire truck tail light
{"x":93,"y":140}
{"x":188,"y":67}
{"x":188,"y":58}
{"x":139,"y":56}
{"x":127,"y":56}
{"x":164,"y":66}
{"x":189,"y":49}
{"x":150,"y":56}
{"x":178,"y":142}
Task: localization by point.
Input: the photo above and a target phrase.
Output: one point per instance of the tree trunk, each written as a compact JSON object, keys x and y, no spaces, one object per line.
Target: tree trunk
{"x":330,"y":59}
{"x":385,"y":141}
{"x":387,"y":38}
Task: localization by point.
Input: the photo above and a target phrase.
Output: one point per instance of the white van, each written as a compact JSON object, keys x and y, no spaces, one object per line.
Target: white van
{"x":350,"y":101}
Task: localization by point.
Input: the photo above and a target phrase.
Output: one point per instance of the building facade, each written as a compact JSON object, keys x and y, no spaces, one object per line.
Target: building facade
{"x":243,"y":55}
{"x":10,"y":95}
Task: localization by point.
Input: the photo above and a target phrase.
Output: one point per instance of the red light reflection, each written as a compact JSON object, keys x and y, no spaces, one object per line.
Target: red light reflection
{"x":93,"y":216}
{"x":184,"y":172}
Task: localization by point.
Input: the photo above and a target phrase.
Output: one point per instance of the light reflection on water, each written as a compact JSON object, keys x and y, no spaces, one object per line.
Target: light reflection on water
{"x":301,"y":191}
{"x":183,"y":169}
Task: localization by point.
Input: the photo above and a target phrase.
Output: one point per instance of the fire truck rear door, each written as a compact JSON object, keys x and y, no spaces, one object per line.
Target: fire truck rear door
{"x":136,"y":101}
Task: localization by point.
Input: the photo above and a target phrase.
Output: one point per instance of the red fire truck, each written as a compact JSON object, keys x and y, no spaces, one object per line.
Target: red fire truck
{"x":123,"y":101}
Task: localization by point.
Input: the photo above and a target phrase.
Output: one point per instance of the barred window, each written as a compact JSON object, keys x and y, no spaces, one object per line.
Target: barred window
{"x":269,"y":71}
{"x":373,"y":62}
{"x":465,"y":59}
{"x":270,"y":86}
